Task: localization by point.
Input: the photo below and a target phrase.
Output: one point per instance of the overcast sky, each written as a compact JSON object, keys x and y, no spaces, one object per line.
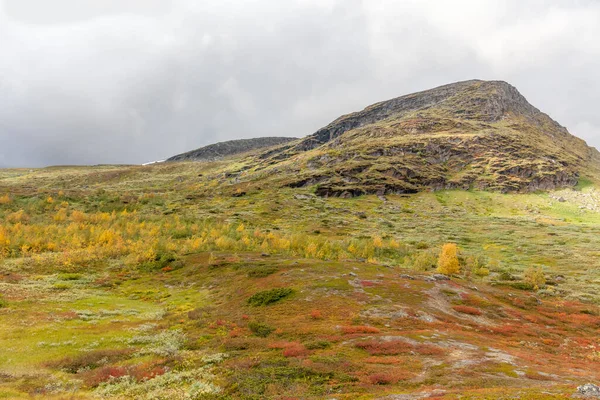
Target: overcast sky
{"x":130,"y":81}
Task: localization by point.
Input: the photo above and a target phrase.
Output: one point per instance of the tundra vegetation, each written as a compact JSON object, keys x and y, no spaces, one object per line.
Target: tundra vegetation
{"x":163,"y":282}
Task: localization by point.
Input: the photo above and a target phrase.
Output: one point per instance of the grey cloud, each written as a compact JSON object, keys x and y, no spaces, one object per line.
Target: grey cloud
{"x":107,"y":81}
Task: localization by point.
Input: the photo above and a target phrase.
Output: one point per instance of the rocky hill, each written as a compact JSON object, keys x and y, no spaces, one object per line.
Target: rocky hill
{"x":473,"y":134}
{"x":225,"y":149}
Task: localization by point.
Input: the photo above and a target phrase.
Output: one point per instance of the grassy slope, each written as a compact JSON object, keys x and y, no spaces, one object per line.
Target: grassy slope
{"x":351,"y":328}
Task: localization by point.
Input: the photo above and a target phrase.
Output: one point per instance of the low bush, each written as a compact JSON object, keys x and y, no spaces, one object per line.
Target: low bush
{"x":535,"y":277}
{"x":90,"y":360}
{"x":382,"y":379}
{"x":262,"y":272}
{"x":515,"y":285}
{"x":104,"y":374}
{"x":396,"y":347}
{"x":260,"y":329}
{"x":467,"y":310}
{"x":318,"y":345}
{"x":160,"y":261}
{"x":269,"y":296}
{"x":70,"y":277}
{"x":235,"y":344}
{"x":349,"y":330}
{"x":293,"y":349}
{"x":388,"y":348}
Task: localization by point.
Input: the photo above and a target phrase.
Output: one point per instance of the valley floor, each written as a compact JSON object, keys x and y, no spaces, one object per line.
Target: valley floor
{"x":166,"y":281}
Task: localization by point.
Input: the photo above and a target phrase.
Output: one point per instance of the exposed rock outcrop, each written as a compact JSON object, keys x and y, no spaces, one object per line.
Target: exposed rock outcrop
{"x":589,"y":390}
{"x":226,"y":149}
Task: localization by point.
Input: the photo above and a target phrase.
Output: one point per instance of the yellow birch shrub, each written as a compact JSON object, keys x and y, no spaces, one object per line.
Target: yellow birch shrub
{"x":448,"y":260}
{"x":535,"y":276}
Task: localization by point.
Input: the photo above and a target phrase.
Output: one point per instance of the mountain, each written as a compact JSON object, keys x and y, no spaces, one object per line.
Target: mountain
{"x":473,"y":134}
{"x":225,"y":149}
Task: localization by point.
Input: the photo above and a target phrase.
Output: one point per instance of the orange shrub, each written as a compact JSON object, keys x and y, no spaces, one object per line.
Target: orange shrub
{"x":349,"y":330}
{"x":467,"y":310}
{"x":295,"y":350}
{"x":383,"y":360}
{"x":388,"y":348}
{"x":382,"y":378}
{"x":104,"y":374}
{"x":290,"y":349}
{"x":395,"y":347}
{"x":387,"y":377}
{"x":505,"y":330}
{"x":429,"y":350}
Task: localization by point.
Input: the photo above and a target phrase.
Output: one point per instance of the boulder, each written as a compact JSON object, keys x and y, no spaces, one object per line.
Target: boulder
{"x":589,"y":390}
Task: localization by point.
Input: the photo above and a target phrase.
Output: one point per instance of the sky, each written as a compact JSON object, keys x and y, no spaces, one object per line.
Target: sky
{"x":133,"y":81}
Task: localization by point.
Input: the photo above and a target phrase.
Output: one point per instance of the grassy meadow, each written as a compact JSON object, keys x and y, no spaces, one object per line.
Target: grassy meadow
{"x":188,"y":281}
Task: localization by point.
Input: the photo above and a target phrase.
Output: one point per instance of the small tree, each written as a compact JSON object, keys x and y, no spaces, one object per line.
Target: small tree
{"x":536,"y":277}
{"x":448,"y":260}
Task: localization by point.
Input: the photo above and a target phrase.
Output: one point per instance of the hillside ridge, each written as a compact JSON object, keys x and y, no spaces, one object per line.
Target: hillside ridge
{"x":229,"y":148}
{"x":466,"y":135}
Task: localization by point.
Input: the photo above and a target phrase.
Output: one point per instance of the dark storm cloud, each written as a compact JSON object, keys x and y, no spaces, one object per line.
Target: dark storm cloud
{"x":112,"y":81}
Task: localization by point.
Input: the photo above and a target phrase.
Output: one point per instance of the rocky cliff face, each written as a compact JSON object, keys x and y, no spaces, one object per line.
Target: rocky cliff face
{"x":473,"y":134}
{"x":226,"y":149}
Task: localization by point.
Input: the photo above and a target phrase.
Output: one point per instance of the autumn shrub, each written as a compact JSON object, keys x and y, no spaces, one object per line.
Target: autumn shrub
{"x":161,"y":260}
{"x":448,"y":263}
{"x":316,"y":314}
{"x":396,"y":347}
{"x":382,"y":378}
{"x":353,"y":329}
{"x":366,"y":283}
{"x":18,"y":217}
{"x":318,"y":345}
{"x":428,"y":350}
{"x":70,"y":277}
{"x":387,"y":348}
{"x":260,"y":329}
{"x":476,"y":266}
{"x":291,"y":349}
{"x":534,"y":375}
{"x":473,"y":300}
{"x":90,"y":360}
{"x":262,"y":272}
{"x":424,"y":261}
{"x":506,"y":276}
{"x":235,"y":344}
{"x":535,"y":277}
{"x":104,"y":374}
{"x":269,"y":296}
{"x":467,"y":310}
{"x":505,"y":330}
{"x":383,"y":360}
